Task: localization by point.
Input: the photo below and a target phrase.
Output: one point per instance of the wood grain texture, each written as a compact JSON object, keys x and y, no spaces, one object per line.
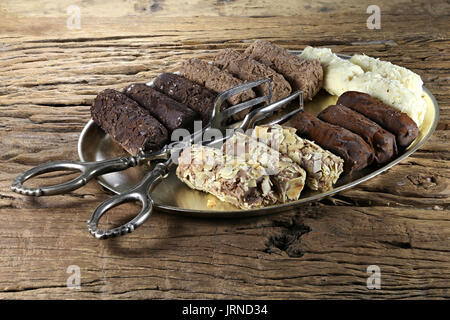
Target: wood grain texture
{"x":399,"y":221}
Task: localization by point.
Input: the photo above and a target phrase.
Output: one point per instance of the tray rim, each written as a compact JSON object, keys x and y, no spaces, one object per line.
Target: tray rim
{"x":283,"y":206}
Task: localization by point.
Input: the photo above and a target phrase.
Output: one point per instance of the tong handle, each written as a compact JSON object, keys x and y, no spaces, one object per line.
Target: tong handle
{"x":89,"y":170}
{"x":141,"y":193}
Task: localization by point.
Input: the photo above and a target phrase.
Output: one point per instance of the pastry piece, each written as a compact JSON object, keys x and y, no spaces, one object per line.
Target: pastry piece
{"x":213,"y":78}
{"x":242,"y":183}
{"x":393,"y":120}
{"x":382,"y":141}
{"x":127,"y":123}
{"x":304,"y":75}
{"x":357,"y":154}
{"x":287,"y":176}
{"x":187,"y":92}
{"x":169,"y":112}
{"x":323,"y":168}
{"x":251,"y":70}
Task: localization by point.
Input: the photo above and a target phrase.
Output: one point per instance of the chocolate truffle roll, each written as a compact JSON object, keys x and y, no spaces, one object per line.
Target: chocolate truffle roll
{"x":393,"y":120}
{"x":213,"y":78}
{"x":357,"y":154}
{"x":169,"y":112}
{"x":382,"y":141}
{"x":305,"y":75}
{"x":127,"y":123}
{"x":251,"y":70}
{"x":187,"y":92}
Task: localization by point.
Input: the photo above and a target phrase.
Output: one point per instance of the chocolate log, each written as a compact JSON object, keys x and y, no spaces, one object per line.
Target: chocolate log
{"x":187,"y":92}
{"x":127,"y":123}
{"x":251,"y":70}
{"x":305,"y":75}
{"x":213,"y":78}
{"x":357,"y":154}
{"x":382,"y":141}
{"x":393,"y":120}
{"x":169,"y":112}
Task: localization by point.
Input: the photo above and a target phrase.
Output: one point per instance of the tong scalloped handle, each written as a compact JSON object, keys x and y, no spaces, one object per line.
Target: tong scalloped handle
{"x":89,"y":170}
{"x":139,"y":193}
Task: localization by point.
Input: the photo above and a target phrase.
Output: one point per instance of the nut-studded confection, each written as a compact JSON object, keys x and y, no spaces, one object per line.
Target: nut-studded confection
{"x":286,"y":175}
{"x":323,"y":168}
{"x":235,"y":180}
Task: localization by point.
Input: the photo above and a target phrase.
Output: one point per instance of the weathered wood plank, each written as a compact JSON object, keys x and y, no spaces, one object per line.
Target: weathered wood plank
{"x":48,"y":76}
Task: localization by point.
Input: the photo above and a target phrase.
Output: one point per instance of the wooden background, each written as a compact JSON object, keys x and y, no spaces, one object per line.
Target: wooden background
{"x":399,"y":221}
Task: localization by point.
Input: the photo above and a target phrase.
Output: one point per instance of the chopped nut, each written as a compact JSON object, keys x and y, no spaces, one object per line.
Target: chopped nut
{"x":211,"y":203}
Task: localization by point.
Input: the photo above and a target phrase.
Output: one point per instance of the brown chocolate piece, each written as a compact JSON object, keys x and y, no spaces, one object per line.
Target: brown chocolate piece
{"x":382,"y":141}
{"x":187,"y":92}
{"x":213,"y":78}
{"x":305,"y":75}
{"x":127,"y":123}
{"x":251,"y":70}
{"x":169,"y":112}
{"x":357,"y":154}
{"x":393,"y":120}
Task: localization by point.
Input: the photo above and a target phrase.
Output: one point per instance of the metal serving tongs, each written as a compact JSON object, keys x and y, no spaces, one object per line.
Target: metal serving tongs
{"x":141,"y":192}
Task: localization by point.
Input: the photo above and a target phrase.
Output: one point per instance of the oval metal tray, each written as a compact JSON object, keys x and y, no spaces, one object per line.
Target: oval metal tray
{"x":171,"y":195}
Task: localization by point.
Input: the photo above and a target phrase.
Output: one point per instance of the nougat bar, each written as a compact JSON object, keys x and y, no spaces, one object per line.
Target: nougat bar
{"x":235,"y":180}
{"x":323,"y":168}
{"x":287,"y":176}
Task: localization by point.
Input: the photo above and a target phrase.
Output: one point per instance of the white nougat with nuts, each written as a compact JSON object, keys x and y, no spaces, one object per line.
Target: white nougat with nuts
{"x":322,"y":167}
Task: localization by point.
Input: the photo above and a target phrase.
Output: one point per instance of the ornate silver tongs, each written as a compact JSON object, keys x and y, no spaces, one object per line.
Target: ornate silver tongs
{"x":167,"y":155}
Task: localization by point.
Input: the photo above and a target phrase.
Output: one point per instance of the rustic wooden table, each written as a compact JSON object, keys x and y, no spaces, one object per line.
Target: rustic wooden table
{"x":49,"y":72}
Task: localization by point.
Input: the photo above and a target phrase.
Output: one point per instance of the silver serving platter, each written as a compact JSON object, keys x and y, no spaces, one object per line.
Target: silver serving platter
{"x":173,"y":196}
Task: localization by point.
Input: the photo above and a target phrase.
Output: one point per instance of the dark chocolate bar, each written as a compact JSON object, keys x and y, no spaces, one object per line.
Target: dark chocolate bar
{"x":382,"y":141}
{"x":213,"y":78}
{"x":357,"y":154}
{"x":127,"y":123}
{"x":251,"y":70}
{"x":187,"y":92}
{"x":393,"y":120}
{"x":169,"y":112}
{"x":304,"y":75}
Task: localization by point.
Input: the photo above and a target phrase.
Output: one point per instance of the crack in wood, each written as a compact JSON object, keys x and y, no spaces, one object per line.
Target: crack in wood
{"x":288,"y":239}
